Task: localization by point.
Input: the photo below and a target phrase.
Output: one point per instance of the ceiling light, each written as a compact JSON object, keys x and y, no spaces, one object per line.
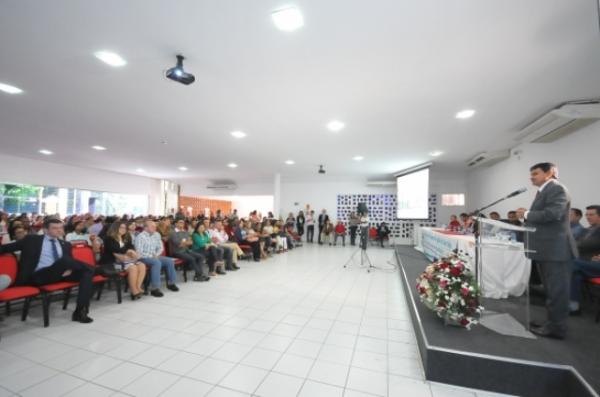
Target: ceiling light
{"x":335,"y":125}
{"x":358,"y":158}
{"x":10,"y":89}
{"x":182,"y":168}
{"x":288,"y":19}
{"x":290,"y":162}
{"x":436,"y":153}
{"x":110,"y":58}
{"x":465,"y":114}
{"x":232,"y":165}
{"x":46,"y":152}
{"x":98,"y":147}
{"x":141,"y":170}
{"x":238,"y":134}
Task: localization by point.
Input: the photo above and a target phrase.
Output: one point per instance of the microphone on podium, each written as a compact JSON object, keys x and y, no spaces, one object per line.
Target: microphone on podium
{"x":517,"y":192}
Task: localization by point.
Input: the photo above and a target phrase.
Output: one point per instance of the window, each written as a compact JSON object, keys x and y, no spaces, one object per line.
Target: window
{"x":453,"y":199}
{"x":16,"y":198}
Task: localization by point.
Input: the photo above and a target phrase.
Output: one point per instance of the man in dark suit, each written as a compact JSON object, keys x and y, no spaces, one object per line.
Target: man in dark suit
{"x":587,"y":265}
{"x":47,"y":259}
{"x":553,"y":245}
{"x":323,"y":217}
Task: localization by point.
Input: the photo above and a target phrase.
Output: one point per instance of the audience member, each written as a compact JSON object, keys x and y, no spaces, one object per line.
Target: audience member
{"x":150,"y":247}
{"x":310,"y":226}
{"x":383,"y":233}
{"x":203,"y":245}
{"x":245,"y":235}
{"x":231,"y":250}
{"x":326,"y":232}
{"x":300,"y":220}
{"x":340,"y":231}
{"x":323,"y":220}
{"x":119,"y":251}
{"x":494,"y":216}
{"x":353,"y":223}
{"x":587,"y":265}
{"x":466,"y":223}
{"x":454,"y":224}
{"x":181,"y":244}
{"x":576,"y":227}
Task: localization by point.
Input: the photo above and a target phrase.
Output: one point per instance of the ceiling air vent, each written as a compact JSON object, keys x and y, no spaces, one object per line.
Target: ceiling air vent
{"x":488,"y":158}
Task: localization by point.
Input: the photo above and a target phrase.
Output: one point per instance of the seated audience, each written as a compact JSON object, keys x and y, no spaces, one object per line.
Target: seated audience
{"x":454,"y":224}
{"x":466,"y":223}
{"x":327,"y":232}
{"x":383,"y":232}
{"x":246,"y":236}
{"x":79,"y":234}
{"x":588,"y":263}
{"x":203,"y":245}
{"x":513,"y":219}
{"x":47,"y":259}
{"x":340,"y":231}
{"x":494,"y":216}
{"x":164,"y":228}
{"x":181,"y":247}
{"x":576,"y":227}
{"x":221,"y":238}
{"x":150,"y":247}
{"x":119,"y":251}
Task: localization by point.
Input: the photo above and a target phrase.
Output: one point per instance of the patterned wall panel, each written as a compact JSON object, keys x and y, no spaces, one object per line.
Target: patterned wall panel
{"x":198,"y":204}
{"x":382,"y":208}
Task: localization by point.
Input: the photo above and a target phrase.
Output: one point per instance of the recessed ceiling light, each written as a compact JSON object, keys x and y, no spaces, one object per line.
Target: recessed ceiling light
{"x":182,"y":168}
{"x":10,"y":89}
{"x":110,"y":58}
{"x":287,"y":19}
{"x":98,"y":147}
{"x":141,"y":170}
{"x":290,"y":162}
{"x":358,"y":158}
{"x":436,"y":153}
{"x":465,"y":114}
{"x":238,"y":134}
{"x":335,"y":125}
{"x":232,"y":165}
{"x":46,"y":152}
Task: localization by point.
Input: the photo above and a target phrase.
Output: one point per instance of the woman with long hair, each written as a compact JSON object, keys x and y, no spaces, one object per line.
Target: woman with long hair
{"x":213,"y":253}
{"x":118,"y":250}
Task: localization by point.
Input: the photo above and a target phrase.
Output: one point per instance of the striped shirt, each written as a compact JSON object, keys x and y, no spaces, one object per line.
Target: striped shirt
{"x":148,"y":245}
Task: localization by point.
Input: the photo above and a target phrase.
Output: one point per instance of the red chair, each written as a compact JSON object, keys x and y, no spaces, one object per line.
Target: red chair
{"x":84,"y":253}
{"x":594,"y":284}
{"x":179,"y":263}
{"x":248,"y":254}
{"x":8,"y":266}
{"x":373,"y":235}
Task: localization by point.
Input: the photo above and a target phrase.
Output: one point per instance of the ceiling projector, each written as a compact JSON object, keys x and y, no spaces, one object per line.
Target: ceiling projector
{"x":178,"y":74}
{"x":321,"y":170}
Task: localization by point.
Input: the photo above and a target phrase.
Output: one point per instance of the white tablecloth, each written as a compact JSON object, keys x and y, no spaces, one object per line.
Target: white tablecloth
{"x":505,"y":269}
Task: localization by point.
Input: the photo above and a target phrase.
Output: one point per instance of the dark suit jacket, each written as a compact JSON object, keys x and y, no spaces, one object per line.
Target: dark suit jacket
{"x":31,"y":250}
{"x":589,"y":243}
{"x":322,"y":219}
{"x":549,"y":214}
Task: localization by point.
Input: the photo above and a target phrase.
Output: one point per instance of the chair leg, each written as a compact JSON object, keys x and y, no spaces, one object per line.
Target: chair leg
{"x":100,"y":288}
{"x":25,"y":311}
{"x":118,"y":288}
{"x":46,"y":308}
{"x":66,"y":298}
{"x":184,"y":275}
{"x":7,"y":308}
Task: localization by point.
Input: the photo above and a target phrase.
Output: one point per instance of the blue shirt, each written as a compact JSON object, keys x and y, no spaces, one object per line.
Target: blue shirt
{"x":47,"y":257}
{"x":578,"y":230}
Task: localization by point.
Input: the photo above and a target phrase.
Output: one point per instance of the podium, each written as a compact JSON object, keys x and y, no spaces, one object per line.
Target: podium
{"x":500,"y":248}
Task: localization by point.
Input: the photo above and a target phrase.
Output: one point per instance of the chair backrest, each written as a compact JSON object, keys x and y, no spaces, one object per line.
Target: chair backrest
{"x":84,"y":253}
{"x":373,"y":232}
{"x":8,"y":266}
{"x":164,"y":251}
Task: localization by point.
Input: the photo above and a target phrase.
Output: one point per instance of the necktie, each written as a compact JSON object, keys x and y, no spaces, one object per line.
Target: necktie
{"x":55,"y":250}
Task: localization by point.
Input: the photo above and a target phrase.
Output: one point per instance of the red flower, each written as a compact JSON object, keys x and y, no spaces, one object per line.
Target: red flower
{"x":444,"y":265}
{"x":455,"y":272}
{"x":422,"y":291}
{"x":464,"y":291}
{"x":464,"y":322}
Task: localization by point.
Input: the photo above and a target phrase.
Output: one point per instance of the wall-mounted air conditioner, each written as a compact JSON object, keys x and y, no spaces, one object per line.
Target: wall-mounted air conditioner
{"x":561,"y":121}
{"x":227,"y":186}
{"x":382,"y":183}
{"x":488,"y":158}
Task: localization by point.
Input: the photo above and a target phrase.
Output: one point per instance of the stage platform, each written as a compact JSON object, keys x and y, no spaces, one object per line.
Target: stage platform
{"x":483,"y":359}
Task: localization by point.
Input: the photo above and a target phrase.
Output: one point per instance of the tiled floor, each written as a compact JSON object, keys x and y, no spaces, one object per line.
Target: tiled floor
{"x":298,"y":324}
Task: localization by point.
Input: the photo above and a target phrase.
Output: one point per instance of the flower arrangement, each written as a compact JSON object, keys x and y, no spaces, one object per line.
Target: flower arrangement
{"x":449,"y":289}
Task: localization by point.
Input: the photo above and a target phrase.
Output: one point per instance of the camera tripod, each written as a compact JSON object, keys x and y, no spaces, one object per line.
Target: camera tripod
{"x":362,"y":248}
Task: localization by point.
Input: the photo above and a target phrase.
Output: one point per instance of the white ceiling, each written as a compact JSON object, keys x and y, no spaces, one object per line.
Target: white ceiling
{"x":394,"y":71}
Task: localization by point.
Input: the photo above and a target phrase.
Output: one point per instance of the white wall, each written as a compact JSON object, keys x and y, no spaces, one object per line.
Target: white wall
{"x":575,"y":155}
{"x":36,"y":172}
{"x":247,"y":204}
{"x":197,"y":188}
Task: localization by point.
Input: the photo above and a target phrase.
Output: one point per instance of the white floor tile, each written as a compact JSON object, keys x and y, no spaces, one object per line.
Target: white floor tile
{"x":53,"y":387}
{"x":187,"y":388}
{"x":291,"y":364}
{"x":316,"y":389}
{"x":368,"y":381}
{"x":27,"y":378}
{"x":211,"y":370}
{"x":276,"y":342}
{"x":151,"y":384}
{"x":305,"y":348}
{"x":224,"y":392}
{"x":370,"y":361}
{"x":336,"y":354}
{"x":330,"y":373}
{"x":90,"y":390}
{"x":181,"y":363}
{"x":119,"y":377}
{"x":261,"y":358}
{"x":279,"y":385}
{"x":440,"y":390}
{"x":153,"y":356}
{"x":233,"y":352}
{"x":95,"y":367}
{"x":243,"y":378}
{"x":401,"y":385}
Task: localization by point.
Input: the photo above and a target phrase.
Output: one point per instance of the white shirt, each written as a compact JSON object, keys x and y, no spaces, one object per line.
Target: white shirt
{"x":221,"y":237}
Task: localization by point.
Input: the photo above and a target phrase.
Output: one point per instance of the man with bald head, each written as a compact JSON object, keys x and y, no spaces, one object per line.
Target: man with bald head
{"x":149,"y":245}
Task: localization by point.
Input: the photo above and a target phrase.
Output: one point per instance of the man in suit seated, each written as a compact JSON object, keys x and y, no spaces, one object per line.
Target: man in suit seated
{"x":47,"y":259}
{"x":587,"y":265}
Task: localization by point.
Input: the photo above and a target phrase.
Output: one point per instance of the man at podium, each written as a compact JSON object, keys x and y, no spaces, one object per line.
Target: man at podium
{"x":553,"y":245}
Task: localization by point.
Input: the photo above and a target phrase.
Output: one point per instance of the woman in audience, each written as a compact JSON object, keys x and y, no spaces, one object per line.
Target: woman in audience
{"x":327,"y":232}
{"x":132,"y":230}
{"x":466,"y":223}
{"x":291,"y":221}
{"x":454,"y":224}
{"x":246,"y":236}
{"x":164,"y":228}
{"x":213,"y":254}
{"x":280,"y":240}
{"x":118,"y":249}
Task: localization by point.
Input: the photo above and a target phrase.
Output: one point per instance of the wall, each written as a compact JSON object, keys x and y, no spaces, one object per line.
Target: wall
{"x":36,"y":172}
{"x":196,"y":205}
{"x":575,"y":155}
{"x":247,"y":204}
